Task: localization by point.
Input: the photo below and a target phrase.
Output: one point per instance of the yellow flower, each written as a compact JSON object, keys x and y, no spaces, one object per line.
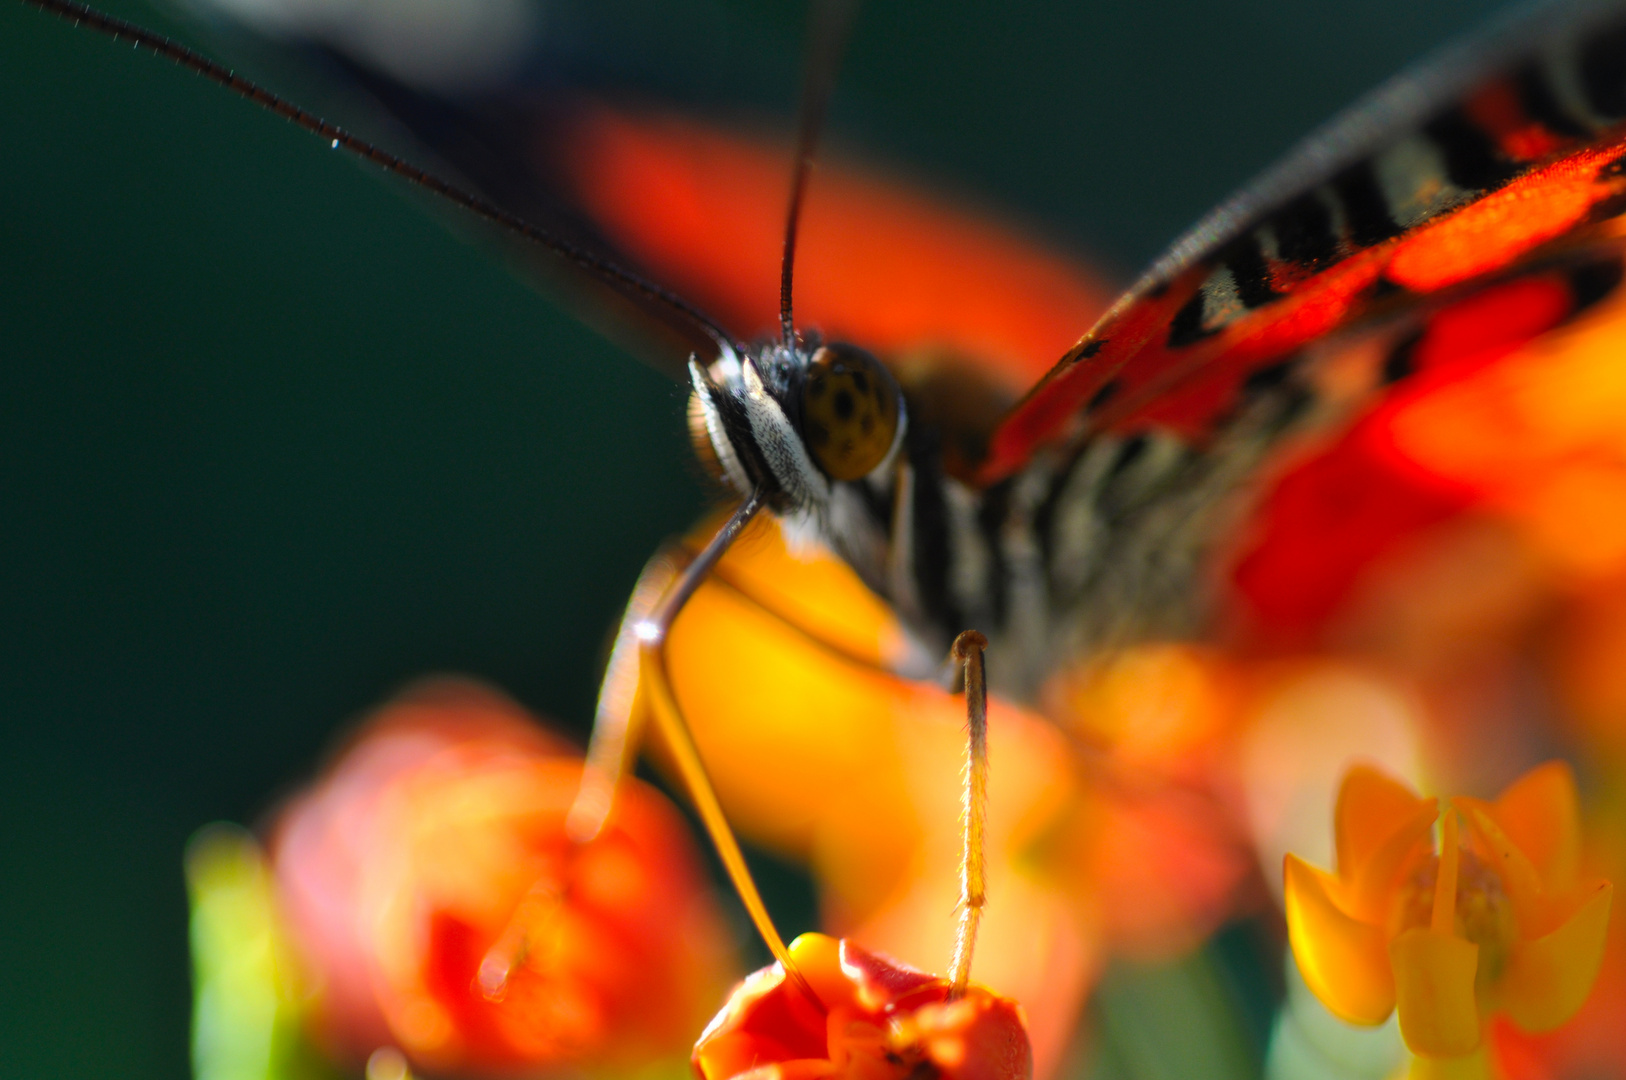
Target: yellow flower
{"x":1497,"y":921}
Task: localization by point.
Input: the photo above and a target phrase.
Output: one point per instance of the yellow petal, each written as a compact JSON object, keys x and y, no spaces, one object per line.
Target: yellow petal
{"x":1342,"y":959}
{"x":1548,"y":979}
{"x":1541,"y":813}
{"x":1434,"y":992}
{"x":1372,"y":807}
{"x":818,"y":958}
{"x":1474,"y":1066}
{"x":1532,"y":908}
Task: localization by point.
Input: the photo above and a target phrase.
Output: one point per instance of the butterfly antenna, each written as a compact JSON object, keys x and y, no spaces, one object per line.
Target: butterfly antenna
{"x":830,"y":23}
{"x":674,"y":307}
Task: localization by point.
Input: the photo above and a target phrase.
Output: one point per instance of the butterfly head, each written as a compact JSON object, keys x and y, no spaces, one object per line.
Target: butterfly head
{"x":792,"y":421}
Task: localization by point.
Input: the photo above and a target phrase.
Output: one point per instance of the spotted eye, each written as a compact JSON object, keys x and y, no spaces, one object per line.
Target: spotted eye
{"x":849,"y":411}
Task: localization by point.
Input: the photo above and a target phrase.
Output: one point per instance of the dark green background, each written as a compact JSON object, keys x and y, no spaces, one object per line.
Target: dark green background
{"x":273,"y":441}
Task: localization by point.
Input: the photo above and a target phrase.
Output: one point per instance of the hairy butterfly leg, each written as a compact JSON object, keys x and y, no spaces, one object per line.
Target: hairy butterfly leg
{"x":968,"y":649}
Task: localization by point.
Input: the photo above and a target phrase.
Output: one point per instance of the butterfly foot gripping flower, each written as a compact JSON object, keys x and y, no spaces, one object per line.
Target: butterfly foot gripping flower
{"x":1496,"y":921}
{"x":872,"y":1019}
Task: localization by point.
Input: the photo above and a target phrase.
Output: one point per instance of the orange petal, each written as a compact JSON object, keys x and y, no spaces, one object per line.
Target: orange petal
{"x":760,"y":695}
{"x":979,"y":1037}
{"x":1434,"y":992}
{"x":875,"y":1020}
{"x":1343,"y":960}
{"x":799,"y":1069}
{"x":1036,"y":946}
{"x":1370,"y":892}
{"x":817,"y":593}
{"x":1548,"y":979}
{"x":1541,"y":813}
{"x":1372,"y":807}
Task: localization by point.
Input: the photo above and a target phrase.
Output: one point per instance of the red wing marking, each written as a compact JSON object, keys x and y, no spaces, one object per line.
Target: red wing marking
{"x":1325,"y":523}
{"x":1334,"y":515}
{"x":1487,"y":324}
{"x":1489,"y":234}
{"x":1183,"y":389}
{"x":1497,"y":110}
{"x":1184,"y":385}
{"x":878,"y":264}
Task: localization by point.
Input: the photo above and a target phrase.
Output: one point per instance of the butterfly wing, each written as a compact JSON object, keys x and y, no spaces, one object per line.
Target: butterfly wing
{"x":1489,"y":154}
{"x":554,"y":127}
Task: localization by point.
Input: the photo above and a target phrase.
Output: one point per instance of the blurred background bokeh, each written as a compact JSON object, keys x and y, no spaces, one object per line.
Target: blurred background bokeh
{"x":273,"y":441}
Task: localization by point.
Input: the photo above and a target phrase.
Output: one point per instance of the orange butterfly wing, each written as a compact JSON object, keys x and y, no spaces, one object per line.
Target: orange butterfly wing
{"x":878,"y":263}
{"x":1497,"y":150}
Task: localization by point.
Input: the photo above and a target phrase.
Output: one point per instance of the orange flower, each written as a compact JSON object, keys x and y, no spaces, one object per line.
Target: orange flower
{"x":821,"y":754}
{"x":1499,"y":924}
{"x":875,"y":1020}
{"x":431,"y":889}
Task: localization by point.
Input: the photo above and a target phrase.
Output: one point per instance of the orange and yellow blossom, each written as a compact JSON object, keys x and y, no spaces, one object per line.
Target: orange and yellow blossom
{"x":1497,"y":922}
{"x":432,"y":894}
{"x":873,"y":1019}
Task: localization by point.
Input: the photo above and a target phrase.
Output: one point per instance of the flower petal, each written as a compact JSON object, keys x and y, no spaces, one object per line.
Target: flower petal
{"x":1533,"y":909}
{"x":1342,"y":959}
{"x":1372,"y":807}
{"x":1434,"y":992}
{"x":1474,"y":1066}
{"x":761,"y":1022}
{"x":1370,"y":889}
{"x":1548,"y":979}
{"x":875,"y":1020}
{"x":978,"y":1037}
{"x":759,"y":694}
{"x":1541,"y":813}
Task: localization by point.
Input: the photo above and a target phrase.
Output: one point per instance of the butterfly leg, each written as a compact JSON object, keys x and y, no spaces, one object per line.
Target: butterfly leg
{"x":968,"y":649}
{"x":654,"y":607}
{"x":609,"y":754}
{"x":662,"y":591}
{"x":616,"y":722}
{"x":651,"y":634}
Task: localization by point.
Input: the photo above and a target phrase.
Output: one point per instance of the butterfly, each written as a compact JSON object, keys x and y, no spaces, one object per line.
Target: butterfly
{"x":1058,"y":314}
{"x":1078,"y":517}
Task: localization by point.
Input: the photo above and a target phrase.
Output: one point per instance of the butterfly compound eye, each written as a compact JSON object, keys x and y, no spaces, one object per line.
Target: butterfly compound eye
{"x":849,"y":411}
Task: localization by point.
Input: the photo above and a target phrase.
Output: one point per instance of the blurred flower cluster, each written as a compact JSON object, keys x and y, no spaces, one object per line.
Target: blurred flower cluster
{"x":1431,"y":602}
{"x":422,"y":897}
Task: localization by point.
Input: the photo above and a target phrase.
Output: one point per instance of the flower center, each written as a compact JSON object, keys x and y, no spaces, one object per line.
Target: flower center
{"x":1483,"y":911}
